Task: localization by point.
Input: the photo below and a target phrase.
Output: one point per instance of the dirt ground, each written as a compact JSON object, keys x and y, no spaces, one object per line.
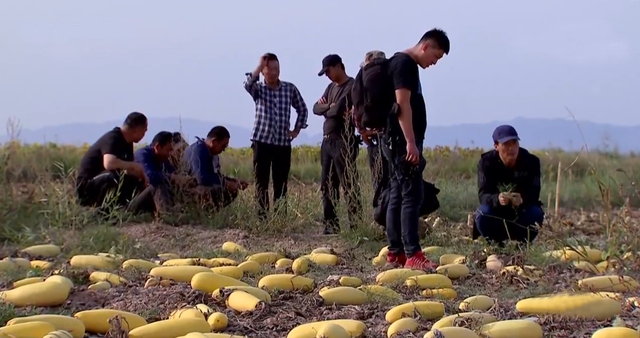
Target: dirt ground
{"x":288,"y":309}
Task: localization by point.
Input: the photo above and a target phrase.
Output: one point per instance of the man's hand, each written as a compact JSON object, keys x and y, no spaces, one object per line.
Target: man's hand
{"x":504,"y":198}
{"x":331,"y":105}
{"x":516,"y":199}
{"x":366,"y":139}
{"x":137,"y":170}
{"x":322,"y":101}
{"x":293,"y":133}
{"x":263,"y":62}
{"x":413,"y":156}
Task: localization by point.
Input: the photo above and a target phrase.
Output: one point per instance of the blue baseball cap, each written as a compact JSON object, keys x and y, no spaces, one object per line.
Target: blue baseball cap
{"x":505,"y":133}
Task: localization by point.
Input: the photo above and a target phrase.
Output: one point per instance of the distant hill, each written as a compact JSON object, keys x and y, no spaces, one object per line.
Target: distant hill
{"x":535,"y":134}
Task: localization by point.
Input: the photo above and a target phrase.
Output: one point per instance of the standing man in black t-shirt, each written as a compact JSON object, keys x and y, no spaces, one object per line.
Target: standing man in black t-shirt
{"x":340,"y":145}
{"x":108,"y":165}
{"x":403,"y":149}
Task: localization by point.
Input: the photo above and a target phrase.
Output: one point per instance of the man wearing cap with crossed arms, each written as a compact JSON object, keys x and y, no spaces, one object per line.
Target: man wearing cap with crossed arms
{"x":508,"y":190}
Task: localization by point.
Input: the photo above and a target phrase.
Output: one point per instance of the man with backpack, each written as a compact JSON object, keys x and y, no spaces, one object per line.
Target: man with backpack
{"x":389,"y":98}
{"x":340,"y":145}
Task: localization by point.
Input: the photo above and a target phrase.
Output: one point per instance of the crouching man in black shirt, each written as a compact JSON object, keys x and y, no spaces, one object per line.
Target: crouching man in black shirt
{"x":108,"y":167}
{"x":509,"y":190}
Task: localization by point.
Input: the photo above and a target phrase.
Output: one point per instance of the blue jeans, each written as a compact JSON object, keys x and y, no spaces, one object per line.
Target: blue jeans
{"x":405,"y":197}
{"x":498,"y":224}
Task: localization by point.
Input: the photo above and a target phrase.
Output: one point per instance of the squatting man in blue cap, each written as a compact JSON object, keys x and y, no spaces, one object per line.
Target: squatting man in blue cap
{"x":509,"y":191}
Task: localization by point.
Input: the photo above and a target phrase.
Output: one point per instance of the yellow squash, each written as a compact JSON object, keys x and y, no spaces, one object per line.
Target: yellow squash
{"x":344,"y":295}
{"x":403,"y":325}
{"x":170,"y":328}
{"x":181,"y":274}
{"x":97,"y":321}
{"x":82,"y":262}
{"x":209,"y":282}
{"x":27,"y":330}
{"x":309,"y":330}
{"x":585,"y":306}
{"x":66,"y":323}
{"x":430,"y":281}
{"x":428,"y":310}
{"x":43,"y":250}
{"x":39,"y":294}
{"x":396,"y":276}
{"x":287,"y":282}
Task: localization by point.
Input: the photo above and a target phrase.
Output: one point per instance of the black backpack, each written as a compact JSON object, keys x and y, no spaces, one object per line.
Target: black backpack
{"x":373,"y":95}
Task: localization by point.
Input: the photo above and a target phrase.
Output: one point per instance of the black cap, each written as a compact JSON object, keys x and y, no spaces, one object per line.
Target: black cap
{"x":505,"y":133}
{"x":330,"y":61}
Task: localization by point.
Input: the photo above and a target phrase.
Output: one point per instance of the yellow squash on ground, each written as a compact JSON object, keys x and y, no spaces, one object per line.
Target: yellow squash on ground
{"x":27,"y":281}
{"x":344,"y":295}
{"x":453,"y":271}
{"x":27,"y":330}
{"x":288,"y":282}
{"x":249,"y":267}
{"x":265,"y":258}
{"x":452,"y":259}
{"x":610,"y":283}
{"x":309,"y":330}
{"x":42,"y":265}
{"x":477,"y":303}
{"x":21,"y":263}
{"x":66,"y":323}
{"x":402,"y":326}
{"x":585,"y":306}
{"x":100,"y":286}
{"x":516,"y":328}
{"x":472,"y":317}
{"x":332,"y":331}
{"x":232,"y":248}
{"x":83,"y":262}
{"x":256,"y":292}
{"x":396,"y":276}
{"x":616,"y":332}
{"x":229,"y":271}
{"x":300,"y":265}
{"x":139,"y":264}
{"x":187,"y":312}
{"x":112,"y":278}
{"x":430,"y":281}
{"x":42,"y":250}
{"x":428,"y":310}
{"x":324,"y":259}
{"x":447,"y":293}
{"x":379,"y":292}
{"x":350,"y":281}
{"x":97,"y":320}
{"x":39,"y":294}
{"x":284,"y":263}
{"x":218,"y":321}
{"x":242,"y":301}
{"x":170,"y":328}
{"x":209,"y":282}
{"x":181,"y":274}
{"x":59,"y":334}
{"x":60,"y":279}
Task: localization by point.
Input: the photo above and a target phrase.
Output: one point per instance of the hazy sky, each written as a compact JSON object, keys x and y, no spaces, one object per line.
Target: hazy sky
{"x":82,"y":61}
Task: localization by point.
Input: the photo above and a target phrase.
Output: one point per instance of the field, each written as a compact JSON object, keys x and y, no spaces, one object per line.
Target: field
{"x":597,"y":199}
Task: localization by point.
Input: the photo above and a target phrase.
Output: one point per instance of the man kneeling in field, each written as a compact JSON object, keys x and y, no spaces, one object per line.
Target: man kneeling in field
{"x":509,"y":191}
{"x":164,"y":179}
{"x":204,"y":165}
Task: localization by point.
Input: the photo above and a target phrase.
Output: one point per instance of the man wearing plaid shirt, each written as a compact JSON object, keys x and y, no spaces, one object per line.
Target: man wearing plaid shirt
{"x":271,"y":136}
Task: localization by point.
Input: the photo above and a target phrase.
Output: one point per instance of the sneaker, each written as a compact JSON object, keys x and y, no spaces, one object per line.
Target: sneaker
{"x":396,"y":260}
{"x":419,"y":262}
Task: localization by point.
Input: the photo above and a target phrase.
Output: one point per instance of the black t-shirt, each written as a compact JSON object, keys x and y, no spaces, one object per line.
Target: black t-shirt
{"x":405,"y":75}
{"x":114,"y":143}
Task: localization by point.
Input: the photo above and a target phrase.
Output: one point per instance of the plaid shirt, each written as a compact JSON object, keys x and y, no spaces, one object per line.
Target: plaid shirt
{"x":273,"y":111}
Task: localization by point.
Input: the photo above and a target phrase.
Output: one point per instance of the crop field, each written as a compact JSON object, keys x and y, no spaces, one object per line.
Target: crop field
{"x":194,"y":274}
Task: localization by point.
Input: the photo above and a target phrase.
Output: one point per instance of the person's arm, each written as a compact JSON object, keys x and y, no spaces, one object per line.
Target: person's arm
{"x":297,"y":102}
{"x":487,"y":187}
{"x":321,"y":109}
{"x":534,"y":186}
{"x":251,"y":83}
{"x":151,"y":169}
{"x":109,"y":159}
{"x":357,"y":100}
{"x":404,"y":77}
{"x":202,"y":167}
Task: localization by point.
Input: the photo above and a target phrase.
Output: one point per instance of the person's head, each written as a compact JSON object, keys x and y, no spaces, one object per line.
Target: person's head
{"x":372,"y":55}
{"x":271,"y":71}
{"x":507,"y":143}
{"x":134,"y":127}
{"x":162,"y":145}
{"x":218,"y":139}
{"x":433,"y":45}
{"x":333,"y":68}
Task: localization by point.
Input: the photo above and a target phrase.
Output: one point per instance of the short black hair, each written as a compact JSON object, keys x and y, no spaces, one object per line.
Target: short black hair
{"x":177,"y":137}
{"x":271,"y":57}
{"x":162,"y":138}
{"x":218,"y":133}
{"x":438,"y":36}
{"x":135,"y":120}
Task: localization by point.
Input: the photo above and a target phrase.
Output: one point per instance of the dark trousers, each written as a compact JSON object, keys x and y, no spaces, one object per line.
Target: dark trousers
{"x":338,"y":157}
{"x":498,"y":224}
{"x":116,"y":189}
{"x":405,"y":198}
{"x":162,"y":198}
{"x":275,"y":160}
{"x":379,"y":166}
